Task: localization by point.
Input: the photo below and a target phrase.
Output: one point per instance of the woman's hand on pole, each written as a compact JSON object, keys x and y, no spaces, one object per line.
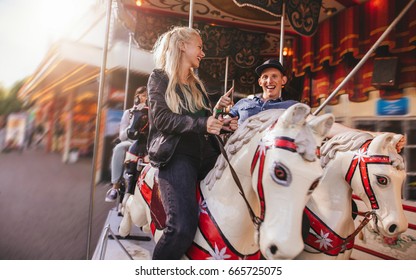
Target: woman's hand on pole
{"x":223,"y":102}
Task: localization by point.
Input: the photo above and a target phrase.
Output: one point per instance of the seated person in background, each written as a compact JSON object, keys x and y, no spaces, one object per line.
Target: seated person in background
{"x":137,"y":153}
{"x":126,"y":137}
{"x":272,"y":79}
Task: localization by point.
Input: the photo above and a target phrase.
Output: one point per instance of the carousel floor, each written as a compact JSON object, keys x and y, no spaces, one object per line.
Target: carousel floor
{"x":139,"y":245}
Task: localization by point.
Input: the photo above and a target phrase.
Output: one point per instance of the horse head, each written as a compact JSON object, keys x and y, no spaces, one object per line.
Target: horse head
{"x":284,"y":172}
{"x":380,"y":182}
{"x":370,"y":167}
{"x":139,"y":127}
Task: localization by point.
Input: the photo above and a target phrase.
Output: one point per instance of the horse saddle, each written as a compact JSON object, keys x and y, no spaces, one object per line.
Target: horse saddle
{"x":157,"y":212}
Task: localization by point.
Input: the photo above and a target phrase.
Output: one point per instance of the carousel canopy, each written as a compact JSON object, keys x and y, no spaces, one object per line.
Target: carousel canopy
{"x":247,"y":32}
{"x":317,"y":55}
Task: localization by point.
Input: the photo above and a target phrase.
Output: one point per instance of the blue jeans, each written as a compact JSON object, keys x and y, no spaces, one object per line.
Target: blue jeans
{"x":177,"y":184}
{"x":117,"y":160}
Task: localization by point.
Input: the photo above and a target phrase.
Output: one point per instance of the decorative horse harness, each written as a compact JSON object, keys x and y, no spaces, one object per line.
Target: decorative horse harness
{"x":362,"y":160}
{"x":324,"y":235}
{"x":285,"y":143}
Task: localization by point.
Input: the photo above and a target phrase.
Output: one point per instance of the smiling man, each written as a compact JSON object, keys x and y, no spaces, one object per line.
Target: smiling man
{"x":272,"y":79}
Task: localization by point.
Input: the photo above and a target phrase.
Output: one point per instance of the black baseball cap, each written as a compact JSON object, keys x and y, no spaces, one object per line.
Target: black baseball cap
{"x":270,"y":63}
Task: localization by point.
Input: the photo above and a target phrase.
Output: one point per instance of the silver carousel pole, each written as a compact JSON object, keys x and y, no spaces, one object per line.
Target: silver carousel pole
{"x":365,"y":57}
{"x":282,"y":32}
{"x":226,"y":75}
{"x":191,"y":13}
{"x":126,"y":86}
{"x":97,"y":124}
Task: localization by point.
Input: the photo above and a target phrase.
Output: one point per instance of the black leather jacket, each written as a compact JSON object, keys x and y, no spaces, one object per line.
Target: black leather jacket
{"x":167,"y":127}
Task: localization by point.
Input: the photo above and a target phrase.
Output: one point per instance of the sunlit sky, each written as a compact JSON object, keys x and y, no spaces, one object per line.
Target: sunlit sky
{"x":27,"y":29}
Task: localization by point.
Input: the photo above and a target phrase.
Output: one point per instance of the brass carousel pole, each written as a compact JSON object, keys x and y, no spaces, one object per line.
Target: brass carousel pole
{"x":97,"y":125}
{"x":365,"y":57}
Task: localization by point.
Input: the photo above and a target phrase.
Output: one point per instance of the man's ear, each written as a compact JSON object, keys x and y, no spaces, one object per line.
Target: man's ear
{"x":284,"y":80}
{"x":258,"y":80}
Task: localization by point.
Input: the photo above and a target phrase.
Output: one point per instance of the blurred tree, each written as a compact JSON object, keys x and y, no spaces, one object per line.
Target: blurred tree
{"x":2,"y":93}
{"x":9,"y":102}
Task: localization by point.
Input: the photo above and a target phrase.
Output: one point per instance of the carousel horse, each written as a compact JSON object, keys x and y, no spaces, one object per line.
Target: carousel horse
{"x":370,"y":167}
{"x":137,"y":132}
{"x":139,"y":125}
{"x":274,"y":156}
{"x":137,"y":152}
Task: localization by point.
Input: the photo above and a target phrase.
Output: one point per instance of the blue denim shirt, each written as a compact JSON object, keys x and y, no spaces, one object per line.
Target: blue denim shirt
{"x":248,"y":107}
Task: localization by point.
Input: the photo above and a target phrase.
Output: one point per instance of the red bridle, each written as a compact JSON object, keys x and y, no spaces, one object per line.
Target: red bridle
{"x":361,"y":159}
{"x":285,"y":143}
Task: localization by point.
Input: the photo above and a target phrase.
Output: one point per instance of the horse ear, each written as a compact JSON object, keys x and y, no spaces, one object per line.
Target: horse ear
{"x":396,"y":139}
{"x":294,"y":115}
{"x":321,"y":125}
{"x":380,"y":144}
{"x":399,"y":164}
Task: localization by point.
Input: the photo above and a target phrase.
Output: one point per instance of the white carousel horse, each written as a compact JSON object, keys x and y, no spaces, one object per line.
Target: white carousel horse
{"x":274,"y":155}
{"x":372,"y":169}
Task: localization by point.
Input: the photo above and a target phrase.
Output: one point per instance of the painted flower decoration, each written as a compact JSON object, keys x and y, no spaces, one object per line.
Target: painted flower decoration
{"x":324,"y":241}
{"x":218,"y":254}
{"x":202,"y":206}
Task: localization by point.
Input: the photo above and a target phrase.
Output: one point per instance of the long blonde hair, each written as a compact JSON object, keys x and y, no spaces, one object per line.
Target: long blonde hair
{"x":167,"y":55}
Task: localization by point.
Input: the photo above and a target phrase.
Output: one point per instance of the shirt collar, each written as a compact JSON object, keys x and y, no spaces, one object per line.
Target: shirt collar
{"x":259,"y":98}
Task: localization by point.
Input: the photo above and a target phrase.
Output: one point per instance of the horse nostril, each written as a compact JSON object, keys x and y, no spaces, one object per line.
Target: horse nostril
{"x":392,"y":228}
{"x":273,"y":249}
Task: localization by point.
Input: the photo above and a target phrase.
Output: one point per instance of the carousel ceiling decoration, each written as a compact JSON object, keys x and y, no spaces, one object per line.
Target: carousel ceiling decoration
{"x":246,"y":13}
{"x":245,"y":35}
{"x":273,"y":7}
{"x":219,"y":10}
{"x":303,"y":15}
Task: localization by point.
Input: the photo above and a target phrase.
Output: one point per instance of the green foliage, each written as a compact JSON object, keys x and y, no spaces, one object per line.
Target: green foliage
{"x":9,"y":102}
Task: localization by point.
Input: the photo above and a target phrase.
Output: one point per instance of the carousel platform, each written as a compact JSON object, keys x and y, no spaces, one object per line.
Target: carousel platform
{"x":111,"y":246}
{"x":368,"y":245}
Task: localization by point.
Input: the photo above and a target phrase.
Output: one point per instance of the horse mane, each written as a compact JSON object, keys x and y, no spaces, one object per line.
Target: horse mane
{"x":353,"y":140}
{"x":245,"y":132}
{"x":240,"y":137}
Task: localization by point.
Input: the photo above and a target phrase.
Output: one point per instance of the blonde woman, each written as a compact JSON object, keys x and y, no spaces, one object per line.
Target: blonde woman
{"x":181,"y":142}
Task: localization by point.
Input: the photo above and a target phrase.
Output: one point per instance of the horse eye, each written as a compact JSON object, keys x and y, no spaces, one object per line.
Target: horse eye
{"x":281,"y":174}
{"x":382,"y":180}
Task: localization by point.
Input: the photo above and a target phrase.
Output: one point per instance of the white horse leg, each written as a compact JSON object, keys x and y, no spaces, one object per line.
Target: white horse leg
{"x":146,"y":228}
{"x":138,"y":209}
{"x":125,"y":224}
{"x":135,"y":213}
